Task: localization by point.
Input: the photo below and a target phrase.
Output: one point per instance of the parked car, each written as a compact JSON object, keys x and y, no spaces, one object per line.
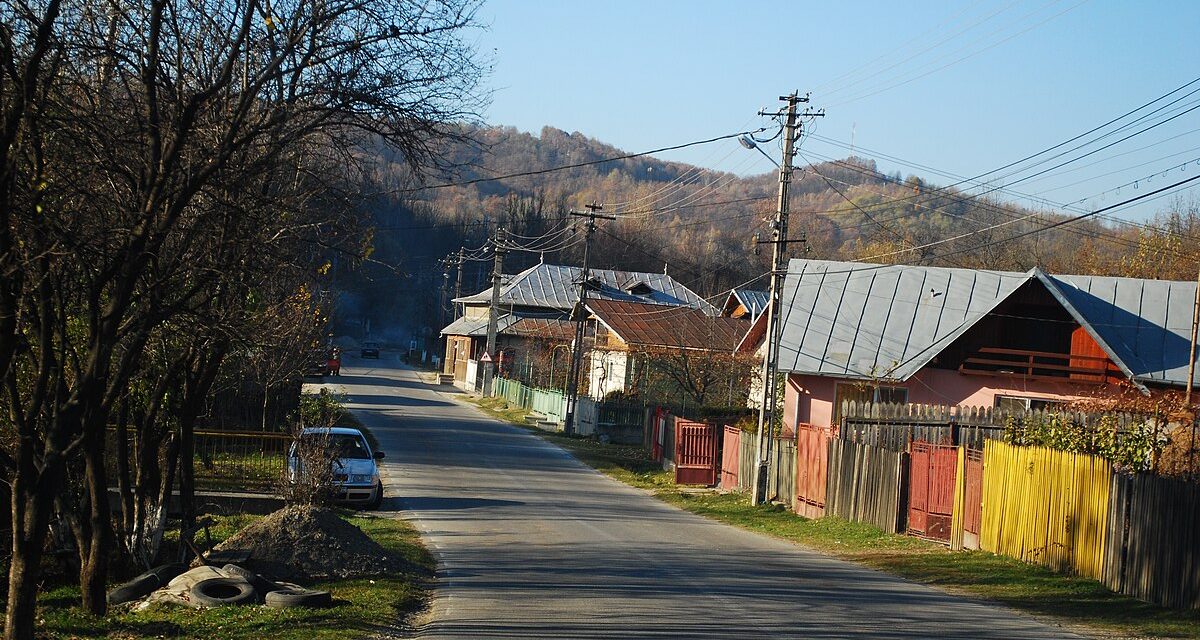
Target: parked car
{"x":355,"y":472}
{"x":370,"y":350}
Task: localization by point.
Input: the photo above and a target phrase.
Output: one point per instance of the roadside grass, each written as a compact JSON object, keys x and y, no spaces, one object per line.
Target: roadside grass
{"x":1072,"y":601}
{"x":362,"y":606}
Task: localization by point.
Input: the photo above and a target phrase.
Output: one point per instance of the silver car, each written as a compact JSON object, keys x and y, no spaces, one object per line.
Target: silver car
{"x":355,"y":471}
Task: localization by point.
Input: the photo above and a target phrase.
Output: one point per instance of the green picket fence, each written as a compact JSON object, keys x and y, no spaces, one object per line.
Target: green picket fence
{"x":547,"y":402}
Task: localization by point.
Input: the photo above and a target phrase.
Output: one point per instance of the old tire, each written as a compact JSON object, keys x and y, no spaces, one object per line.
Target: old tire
{"x":219,"y":592}
{"x":261,"y":585}
{"x":284,"y":598}
{"x":144,"y":584}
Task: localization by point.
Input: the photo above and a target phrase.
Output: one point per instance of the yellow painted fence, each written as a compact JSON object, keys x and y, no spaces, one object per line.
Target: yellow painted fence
{"x":1046,"y":507}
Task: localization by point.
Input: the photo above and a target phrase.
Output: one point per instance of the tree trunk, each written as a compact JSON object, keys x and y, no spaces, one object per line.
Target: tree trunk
{"x":93,"y":569}
{"x":32,"y":503}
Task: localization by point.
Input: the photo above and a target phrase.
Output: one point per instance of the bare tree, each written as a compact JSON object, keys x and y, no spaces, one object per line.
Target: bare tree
{"x":135,"y":138}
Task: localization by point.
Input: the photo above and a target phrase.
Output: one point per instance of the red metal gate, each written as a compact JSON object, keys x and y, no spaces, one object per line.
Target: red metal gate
{"x":931,"y":489}
{"x":695,"y":453}
{"x":658,"y":434}
{"x":731,"y":457}
{"x":812,"y":462}
{"x":973,"y":499}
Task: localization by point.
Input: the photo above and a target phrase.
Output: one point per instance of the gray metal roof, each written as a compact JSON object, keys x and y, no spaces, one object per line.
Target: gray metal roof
{"x":868,"y":321}
{"x":754,"y":300}
{"x":864,"y":321}
{"x":477,"y":327}
{"x":1146,"y":325}
{"x":557,"y":287}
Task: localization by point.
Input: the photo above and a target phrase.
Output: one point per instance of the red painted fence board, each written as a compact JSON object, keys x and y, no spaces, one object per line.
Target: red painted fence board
{"x":812,"y":462}
{"x":695,"y":453}
{"x":731,"y":450}
{"x":932,"y":473}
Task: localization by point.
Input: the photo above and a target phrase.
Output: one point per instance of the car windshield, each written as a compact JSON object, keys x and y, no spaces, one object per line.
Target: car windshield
{"x":346,"y":445}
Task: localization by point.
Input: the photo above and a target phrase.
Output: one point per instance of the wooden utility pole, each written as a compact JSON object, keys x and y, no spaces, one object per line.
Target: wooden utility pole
{"x":494,"y":311}
{"x":579,"y":314}
{"x":458,"y":282}
{"x":1187,"y":396}
{"x":770,"y":405}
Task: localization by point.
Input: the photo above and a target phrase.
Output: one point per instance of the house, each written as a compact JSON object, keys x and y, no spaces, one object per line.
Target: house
{"x":936,"y":335}
{"x":694,"y":349}
{"x":535,"y":307}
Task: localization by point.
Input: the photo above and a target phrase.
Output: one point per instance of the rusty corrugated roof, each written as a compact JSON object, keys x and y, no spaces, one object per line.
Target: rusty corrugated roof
{"x":653,"y":325}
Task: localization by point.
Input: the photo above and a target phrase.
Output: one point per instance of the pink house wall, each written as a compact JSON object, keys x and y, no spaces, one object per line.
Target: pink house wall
{"x":809,"y":399}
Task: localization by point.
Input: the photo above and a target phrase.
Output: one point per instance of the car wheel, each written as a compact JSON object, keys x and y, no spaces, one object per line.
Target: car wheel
{"x":377,"y":501}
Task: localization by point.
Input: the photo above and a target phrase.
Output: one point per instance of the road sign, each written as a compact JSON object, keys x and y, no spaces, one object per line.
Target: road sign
{"x":486,"y":357}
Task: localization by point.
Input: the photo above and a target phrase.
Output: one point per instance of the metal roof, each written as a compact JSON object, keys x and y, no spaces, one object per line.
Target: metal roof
{"x":1146,"y":325}
{"x":477,"y":327}
{"x":865,"y":321}
{"x":513,"y":325}
{"x":651,"y":325}
{"x":870,"y":321}
{"x":754,"y":300}
{"x":557,"y":287}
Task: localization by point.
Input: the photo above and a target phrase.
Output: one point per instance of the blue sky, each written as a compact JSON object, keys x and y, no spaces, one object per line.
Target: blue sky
{"x":962,"y":88}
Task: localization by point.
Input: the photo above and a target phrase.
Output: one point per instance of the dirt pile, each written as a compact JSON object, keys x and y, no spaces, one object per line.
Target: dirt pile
{"x":303,"y":542}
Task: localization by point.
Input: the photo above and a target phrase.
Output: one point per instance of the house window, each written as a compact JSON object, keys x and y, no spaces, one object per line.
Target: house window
{"x":1016,"y":404}
{"x":864,"y":393}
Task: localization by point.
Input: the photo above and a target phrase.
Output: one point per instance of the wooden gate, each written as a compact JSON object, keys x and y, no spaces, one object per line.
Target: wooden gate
{"x":731,"y":454}
{"x":931,"y":490}
{"x":695,"y":453}
{"x":812,"y":462}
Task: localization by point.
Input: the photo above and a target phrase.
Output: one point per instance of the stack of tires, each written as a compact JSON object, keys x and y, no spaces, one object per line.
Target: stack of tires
{"x":233,"y":585}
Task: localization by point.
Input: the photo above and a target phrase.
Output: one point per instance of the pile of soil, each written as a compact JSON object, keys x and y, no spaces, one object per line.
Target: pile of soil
{"x":305,"y":543}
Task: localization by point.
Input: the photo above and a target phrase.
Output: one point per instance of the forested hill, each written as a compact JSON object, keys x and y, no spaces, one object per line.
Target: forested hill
{"x":698,"y":225}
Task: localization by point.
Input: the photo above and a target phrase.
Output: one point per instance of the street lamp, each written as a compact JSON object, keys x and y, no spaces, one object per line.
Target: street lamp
{"x":750,"y":143}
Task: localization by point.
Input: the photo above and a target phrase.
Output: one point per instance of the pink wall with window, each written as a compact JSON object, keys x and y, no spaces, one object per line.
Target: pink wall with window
{"x":810,"y":399}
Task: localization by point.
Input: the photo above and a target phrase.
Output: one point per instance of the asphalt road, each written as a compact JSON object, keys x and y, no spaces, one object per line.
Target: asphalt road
{"x":533,"y":544}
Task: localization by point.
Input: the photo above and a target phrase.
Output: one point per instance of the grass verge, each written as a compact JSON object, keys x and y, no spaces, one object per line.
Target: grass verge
{"x":362,"y":606}
{"x":1072,"y":601}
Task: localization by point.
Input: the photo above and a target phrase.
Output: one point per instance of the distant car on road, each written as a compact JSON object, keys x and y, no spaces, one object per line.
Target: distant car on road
{"x":370,"y":350}
{"x":355,"y":472}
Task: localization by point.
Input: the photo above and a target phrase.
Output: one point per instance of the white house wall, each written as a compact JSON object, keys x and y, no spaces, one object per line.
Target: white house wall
{"x":608,"y":372}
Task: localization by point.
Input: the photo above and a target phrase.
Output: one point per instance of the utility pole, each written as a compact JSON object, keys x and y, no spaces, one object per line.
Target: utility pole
{"x":1187,"y":396}
{"x":770,"y":405}
{"x":458,"y":283}
{"x":494,"y":311}
{"x":580,"y":313}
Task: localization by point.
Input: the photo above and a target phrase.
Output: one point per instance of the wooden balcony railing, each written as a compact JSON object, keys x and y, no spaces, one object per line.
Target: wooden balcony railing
{"x":991,"y":361}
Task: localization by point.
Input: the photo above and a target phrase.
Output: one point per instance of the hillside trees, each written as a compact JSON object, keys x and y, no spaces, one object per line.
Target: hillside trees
{"x":162,"y":164}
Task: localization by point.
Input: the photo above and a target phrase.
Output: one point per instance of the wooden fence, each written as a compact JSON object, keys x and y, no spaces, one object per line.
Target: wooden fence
{"x":895,"y":426}
{"x":812,"y":462}
{"x":1153,"y":530}
{"x":1046,"y":507}
{"x":781,"y":478}
{"x":865,"y":484}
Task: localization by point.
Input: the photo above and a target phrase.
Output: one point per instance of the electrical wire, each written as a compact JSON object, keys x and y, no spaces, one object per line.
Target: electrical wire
{"x":537,"y":172}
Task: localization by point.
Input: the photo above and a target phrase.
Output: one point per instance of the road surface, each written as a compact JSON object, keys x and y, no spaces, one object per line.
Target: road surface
{"x":531,"y":543}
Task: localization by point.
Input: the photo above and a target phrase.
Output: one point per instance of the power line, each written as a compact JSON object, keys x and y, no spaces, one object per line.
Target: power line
{"x":577,"y":165}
